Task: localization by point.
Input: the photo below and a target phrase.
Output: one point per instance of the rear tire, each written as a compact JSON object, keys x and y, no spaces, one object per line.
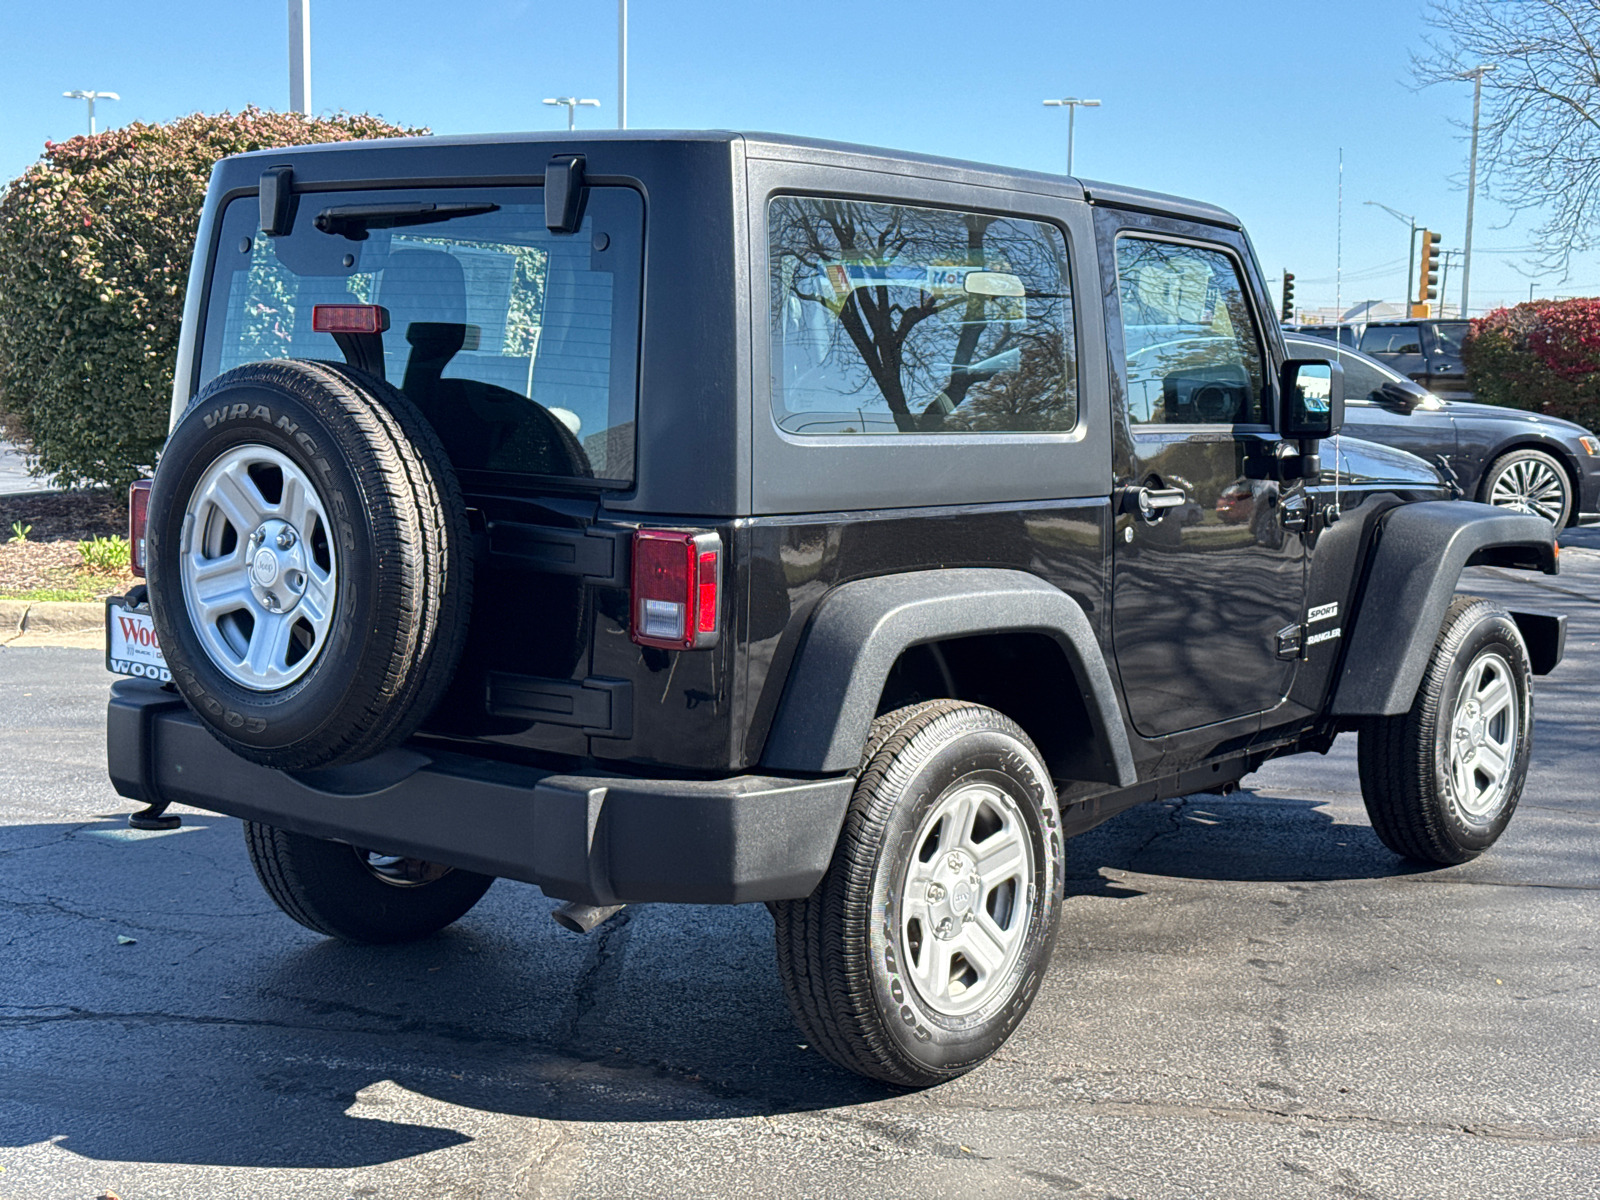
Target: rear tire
{"x":1442,"y":780}
{"x":356,"y":895}
{"x":926,"y":941}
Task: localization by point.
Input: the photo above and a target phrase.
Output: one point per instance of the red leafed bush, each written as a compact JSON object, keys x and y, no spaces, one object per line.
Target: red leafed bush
{"x":1544,"y":357}
{"x":95,"y":242}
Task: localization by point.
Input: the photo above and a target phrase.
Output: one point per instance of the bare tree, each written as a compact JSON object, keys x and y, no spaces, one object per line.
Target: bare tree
{"x":1540,"y":133}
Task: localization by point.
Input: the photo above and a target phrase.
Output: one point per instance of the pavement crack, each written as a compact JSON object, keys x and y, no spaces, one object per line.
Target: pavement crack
{"x":1175,"y":809}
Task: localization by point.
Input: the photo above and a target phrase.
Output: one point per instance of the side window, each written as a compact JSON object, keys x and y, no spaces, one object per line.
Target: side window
{"x":1193,"y":357}
{"x":891,"y":319}
{"x":1391,"y":339}
{"x":1361,"y":379}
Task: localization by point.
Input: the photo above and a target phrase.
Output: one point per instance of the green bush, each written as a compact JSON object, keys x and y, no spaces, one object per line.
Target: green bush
{"x":105,"y":555}
{"x":95,"y":242}
{"x":1543,"y":357}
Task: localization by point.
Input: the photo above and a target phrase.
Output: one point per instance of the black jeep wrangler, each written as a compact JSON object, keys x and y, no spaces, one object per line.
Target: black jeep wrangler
{"x":720,"y":518}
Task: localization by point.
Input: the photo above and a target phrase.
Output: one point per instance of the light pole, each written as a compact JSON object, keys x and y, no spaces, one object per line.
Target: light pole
{"x":1411,"y":260}
{"x":91,"y":97}
{"x":300,"y":56}
{"x":572,"y":104}
{"x":1071,"y":104}
{"x":1476,"y":75}
{"x":622,"y":64}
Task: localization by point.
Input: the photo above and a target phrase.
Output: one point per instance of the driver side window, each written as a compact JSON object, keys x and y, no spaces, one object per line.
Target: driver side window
{"x":1193,"y":357}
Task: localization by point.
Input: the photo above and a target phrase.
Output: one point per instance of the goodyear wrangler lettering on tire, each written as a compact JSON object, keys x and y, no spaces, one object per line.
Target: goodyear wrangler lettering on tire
{"x":945,"y":886}
{"x":279,"y":496}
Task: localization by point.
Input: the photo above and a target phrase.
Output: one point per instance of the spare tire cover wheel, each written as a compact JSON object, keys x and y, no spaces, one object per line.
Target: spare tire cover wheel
{"x":307,"y":563}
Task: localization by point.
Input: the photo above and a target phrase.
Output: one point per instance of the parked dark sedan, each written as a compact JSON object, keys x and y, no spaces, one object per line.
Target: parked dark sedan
{"x":1503,"y":456}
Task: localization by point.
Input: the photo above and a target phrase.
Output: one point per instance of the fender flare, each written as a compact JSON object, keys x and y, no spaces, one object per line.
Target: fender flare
{"x":859,"y":629}
{"x":1412,"y":575}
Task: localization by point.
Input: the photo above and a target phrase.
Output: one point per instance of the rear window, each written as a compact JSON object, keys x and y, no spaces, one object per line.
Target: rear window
{"x":1391,"y":339}
{"x":519,"y":345}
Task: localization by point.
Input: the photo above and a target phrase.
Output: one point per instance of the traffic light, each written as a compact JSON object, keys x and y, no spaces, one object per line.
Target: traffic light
{"x":1428,"y":277}
{"x":1288,"y":296}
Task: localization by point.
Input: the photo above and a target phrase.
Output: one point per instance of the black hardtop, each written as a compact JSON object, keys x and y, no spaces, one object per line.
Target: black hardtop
{"x":502,"y":154}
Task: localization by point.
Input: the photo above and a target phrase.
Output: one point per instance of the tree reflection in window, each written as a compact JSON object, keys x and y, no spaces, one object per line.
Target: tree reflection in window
{"x":888,"y":318}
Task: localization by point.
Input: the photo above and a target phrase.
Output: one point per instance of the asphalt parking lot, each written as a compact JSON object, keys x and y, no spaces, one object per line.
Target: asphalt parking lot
{"x":1250,"y":997}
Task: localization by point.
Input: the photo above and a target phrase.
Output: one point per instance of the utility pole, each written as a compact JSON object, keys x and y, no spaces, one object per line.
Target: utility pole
{"x":622,"y":64}
{"x":300,"y":56}
{"x":573,"y":103}
{"x":1476,"y":75}
{"x":1444,"y":277}
{"x":91,"y":97}
{"x":1071,"y":104}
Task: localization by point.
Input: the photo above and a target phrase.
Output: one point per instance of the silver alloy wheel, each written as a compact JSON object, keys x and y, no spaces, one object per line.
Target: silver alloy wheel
{"x":1531,"y":486}
{"x":1483,"y":736}
{"x":258,"y":567}
{"x":965,"y":898}
{"x":401,"y":872}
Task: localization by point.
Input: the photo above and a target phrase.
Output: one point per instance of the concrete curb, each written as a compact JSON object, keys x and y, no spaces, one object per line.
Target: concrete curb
{"x":44,"y":619}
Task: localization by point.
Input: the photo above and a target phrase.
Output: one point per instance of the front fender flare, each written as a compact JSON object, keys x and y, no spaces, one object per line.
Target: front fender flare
{"x":860,"y":629}
{"x":1414,"y":569}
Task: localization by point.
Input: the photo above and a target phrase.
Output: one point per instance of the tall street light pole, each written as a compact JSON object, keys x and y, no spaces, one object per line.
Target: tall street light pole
{"x":1071,"y":104}
{"x":1411,"y":261}
{"x":572,"y":104}
{"x":91,"y":97}
{"x":1476,"y":75}
{"x":622,"y":64}
{"x":300,"y":56}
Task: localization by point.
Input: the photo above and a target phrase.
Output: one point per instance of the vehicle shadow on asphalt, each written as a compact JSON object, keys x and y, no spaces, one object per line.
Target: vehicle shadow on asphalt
{"x":223,"y":1034}
{"x":226,"y":1035}
{"x":1242,"y":837}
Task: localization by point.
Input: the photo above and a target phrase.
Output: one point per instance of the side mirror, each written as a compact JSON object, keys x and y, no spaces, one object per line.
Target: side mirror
{"x":1312,"y":399}
{"x":1399,"y":396}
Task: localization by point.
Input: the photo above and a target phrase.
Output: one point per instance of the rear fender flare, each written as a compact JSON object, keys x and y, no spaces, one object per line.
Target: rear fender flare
{"x":860,"y":629}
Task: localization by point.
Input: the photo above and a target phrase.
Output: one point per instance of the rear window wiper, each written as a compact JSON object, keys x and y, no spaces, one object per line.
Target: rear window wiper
{"x":353,"y":220}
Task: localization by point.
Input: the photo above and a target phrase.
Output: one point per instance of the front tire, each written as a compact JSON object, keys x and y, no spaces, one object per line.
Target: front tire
{"x":357,"y":895}
{"x":1530,"y":481}
{"x":1442,"y":780}
{"x":926,"y":941}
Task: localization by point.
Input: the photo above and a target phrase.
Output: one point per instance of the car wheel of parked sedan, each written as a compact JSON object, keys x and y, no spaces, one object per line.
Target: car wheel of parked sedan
{"x":1529,"y":481}
{"x":926,"y":941}
{"x":1442,"y":780}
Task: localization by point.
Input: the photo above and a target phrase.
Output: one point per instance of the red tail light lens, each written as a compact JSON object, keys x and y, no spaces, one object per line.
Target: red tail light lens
{"x":349,"y":318}
{"x":677,"y":584}
{"x":138,"y":511}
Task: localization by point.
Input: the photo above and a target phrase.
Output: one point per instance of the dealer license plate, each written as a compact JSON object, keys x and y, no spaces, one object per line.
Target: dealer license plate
{"x":131,"y":647}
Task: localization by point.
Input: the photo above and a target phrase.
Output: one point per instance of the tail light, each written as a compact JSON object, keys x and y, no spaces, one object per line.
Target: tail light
{"x":677,"y":589}
{"x":138,"y":510}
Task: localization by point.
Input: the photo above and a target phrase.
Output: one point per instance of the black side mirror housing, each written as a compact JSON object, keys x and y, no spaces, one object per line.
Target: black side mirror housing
{"x":1399,"y":396}
{"x":1311,"y":399}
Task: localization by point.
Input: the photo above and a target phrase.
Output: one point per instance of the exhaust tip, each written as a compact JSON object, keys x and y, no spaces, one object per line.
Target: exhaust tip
{"x":584,"y":918}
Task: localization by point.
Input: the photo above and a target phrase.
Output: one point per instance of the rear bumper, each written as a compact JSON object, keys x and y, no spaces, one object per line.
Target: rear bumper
{"x":598,"y":839}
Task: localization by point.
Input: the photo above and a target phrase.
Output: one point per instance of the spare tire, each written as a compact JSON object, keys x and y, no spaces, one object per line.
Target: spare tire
{"x":309,"y":563}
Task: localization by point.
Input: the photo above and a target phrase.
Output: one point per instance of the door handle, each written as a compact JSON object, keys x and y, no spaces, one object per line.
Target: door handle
{"x":1151,"y":502}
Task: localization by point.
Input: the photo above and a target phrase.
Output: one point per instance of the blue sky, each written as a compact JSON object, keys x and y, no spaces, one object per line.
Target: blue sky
{"x":1248,"y":109}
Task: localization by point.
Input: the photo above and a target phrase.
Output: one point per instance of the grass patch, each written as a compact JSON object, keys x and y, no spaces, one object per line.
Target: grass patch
{"x":93,"y":591}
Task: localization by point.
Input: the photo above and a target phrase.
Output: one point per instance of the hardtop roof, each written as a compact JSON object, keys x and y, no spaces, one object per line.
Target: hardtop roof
{"x":814,"y":150}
